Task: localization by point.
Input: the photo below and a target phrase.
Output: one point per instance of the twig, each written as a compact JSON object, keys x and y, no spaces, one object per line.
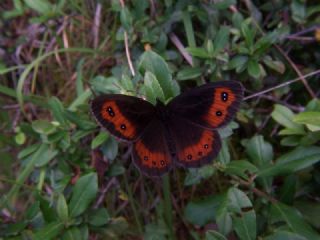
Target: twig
{"x":282,"y":85}
{"x":126,"y":44}
{"x":292,"y":107}
{"x":175,"y":40}
{"x":96,"y":25}
{"x":311,"y":29}
{"x":255,"y":190}
{"x":103,"y":193}
{"x":294,"y":66}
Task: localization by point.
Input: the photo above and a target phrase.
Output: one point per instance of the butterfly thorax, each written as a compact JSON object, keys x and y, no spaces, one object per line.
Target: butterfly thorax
{"x":162,"y":111}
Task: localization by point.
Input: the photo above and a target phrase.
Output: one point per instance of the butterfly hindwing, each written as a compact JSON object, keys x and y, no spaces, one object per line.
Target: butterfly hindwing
{"x":150,"y":152}
{"x":212,"y":105}
{"x":123,"y":116}
{"x":195,"y":146}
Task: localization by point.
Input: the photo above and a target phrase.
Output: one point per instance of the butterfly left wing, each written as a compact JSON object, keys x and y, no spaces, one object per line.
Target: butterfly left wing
{"x":212,"y":105}
{"x":123,"y":116}
{"x":151,"y":153}
{"x":195,"y":146}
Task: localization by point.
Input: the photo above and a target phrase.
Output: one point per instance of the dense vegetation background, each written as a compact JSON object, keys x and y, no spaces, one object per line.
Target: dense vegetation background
{"x":63,"y":178}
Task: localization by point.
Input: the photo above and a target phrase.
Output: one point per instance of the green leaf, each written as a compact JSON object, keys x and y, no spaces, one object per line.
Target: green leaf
{"x":98,"y":217}
{"x":298,"y":10}
{"x":293,"y":219}
{"x":284,"y":116}
{"x":28,"y":150}
{"x":222,"y":5}
{"x":62,"y":208}
{"x":248,"y":33}
{"x":105,"y":85}
{"x":13,"y":228}
{"x":20,"y":138}
{"x":126,"y":18}
{"x":195,"y":175}
{"x":152,"y":62}
{"x":259,"y":151}
{"x":214,"y":235}
{"x":275,"y":65}
{"x":57,"y":109}
{"x":81,"y":99}
{"x":202,"y":211}
{"x":224,"y":155}
{"x":223,"y":216}
{"x":153,"y":88}
{"x":99,"y":139}
{"x":73,"y":233}
{"x":47,"y":154}
{"x":261,"y":154}
{"x":240,"y":168}
{"x":41,"y":6}
{"x":221,"y":40}
{"x":32,"y":211}
{"x":188,"y":73}
{"x":298,"y":159}
{"x":80,"y":121}
{"x":284,"y":235}
{"x":50,"y":231}
{"x":115,"y":170}
{"x":79,"y":80}
{"x":310,"y":210}
{"x":198,"y":52}
{"x":110,"y":148}
{"x":84,"y":193}
{"x":157,"y":231}
{"x":292,"y":131}
{"x":43,"y":127}
{"x":311,"y":119}
{"x":244,"y":221}
{"x":238,"y":62}
{"x":254,"y":68}
{"x":288,"y":189}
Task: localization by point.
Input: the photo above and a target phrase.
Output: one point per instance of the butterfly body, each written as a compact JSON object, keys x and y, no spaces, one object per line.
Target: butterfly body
{"x":182,"y":133}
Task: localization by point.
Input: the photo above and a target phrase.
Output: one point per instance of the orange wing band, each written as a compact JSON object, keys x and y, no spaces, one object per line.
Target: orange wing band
{"x":111,"y":113}
{"x":218,"y":112}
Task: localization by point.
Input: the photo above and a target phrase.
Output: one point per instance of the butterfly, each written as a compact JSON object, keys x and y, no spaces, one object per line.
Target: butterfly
{"x":181,"y":133}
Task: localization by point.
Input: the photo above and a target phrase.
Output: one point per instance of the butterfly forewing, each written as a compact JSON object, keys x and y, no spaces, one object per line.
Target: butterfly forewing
{"x":151,"y":152}
{"x":195,"y":146}
{"x":123,"y":116}
{"x":212,"y":105}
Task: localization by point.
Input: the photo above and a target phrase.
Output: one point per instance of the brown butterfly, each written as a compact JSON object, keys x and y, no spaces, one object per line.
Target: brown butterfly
{"x":183,"y":132}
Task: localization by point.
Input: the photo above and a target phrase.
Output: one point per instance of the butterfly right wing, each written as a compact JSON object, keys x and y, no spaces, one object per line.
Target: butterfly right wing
{"x":151,"y":153}
{"x":212,"y":105}
{"x":195,"y":146}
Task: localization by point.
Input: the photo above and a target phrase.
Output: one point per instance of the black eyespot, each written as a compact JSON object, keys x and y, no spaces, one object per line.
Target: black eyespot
{"x":224,"y":96}
{"x":110,"y":111}
{"x":154,"y":163}
{"x":145,"y":158}
{"x":123,"y":126}
{"x":219,"y":113}
{"x":200,"y":153}
{"x":189,"y":156}
{"x":206,"y":146}
{"x":162,"y":163}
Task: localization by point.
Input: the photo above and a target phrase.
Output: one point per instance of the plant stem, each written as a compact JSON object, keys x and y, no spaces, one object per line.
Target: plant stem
{"x":168,"y":205}
{"x":133,"y":205}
